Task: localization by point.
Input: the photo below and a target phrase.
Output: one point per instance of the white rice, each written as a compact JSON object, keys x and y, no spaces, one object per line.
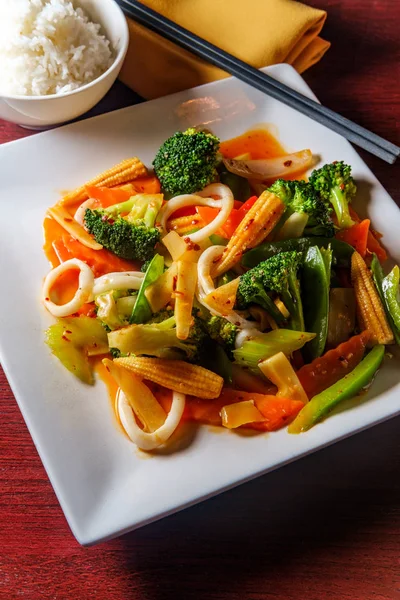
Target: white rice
{"x":48,"y":47}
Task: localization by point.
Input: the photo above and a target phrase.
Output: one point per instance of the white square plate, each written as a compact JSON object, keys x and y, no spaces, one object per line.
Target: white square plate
{"x":104,"y":487}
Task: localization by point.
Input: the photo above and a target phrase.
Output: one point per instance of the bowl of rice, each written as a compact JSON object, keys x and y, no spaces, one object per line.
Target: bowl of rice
{"x":58,"y":58}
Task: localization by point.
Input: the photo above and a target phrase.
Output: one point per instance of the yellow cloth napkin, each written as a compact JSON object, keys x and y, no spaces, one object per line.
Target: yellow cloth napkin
{"x":260,"y":32}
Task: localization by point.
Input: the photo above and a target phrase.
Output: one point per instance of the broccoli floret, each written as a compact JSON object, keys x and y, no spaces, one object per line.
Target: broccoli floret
{"x":186,"y":162}
{"x":115,"y":353}
{"x":160,"y":316}
{"x":223,"y":332}
{"x":301,"y":197}
{"x":252,"y":290}
{"x":132,"y":241}
{"x":277,"y":274}
{"x":335,"y":184}
{"x":158,"y":338}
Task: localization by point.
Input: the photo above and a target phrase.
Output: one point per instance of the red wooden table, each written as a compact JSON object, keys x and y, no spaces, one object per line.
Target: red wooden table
{"x":324,"y":527}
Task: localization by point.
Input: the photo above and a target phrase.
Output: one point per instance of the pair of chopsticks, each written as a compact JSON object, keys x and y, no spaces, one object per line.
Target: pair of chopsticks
{"x":193,"y":43}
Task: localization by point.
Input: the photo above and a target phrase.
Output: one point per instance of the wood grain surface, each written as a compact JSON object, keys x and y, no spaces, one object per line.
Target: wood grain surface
{"x":327,"y":526}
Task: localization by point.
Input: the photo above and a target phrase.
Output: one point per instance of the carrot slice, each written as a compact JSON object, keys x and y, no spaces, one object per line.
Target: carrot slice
{"x":333,"y":365}
{"x":147,"y":185}
{"x":100,"y":261}
{"x":373,"y":244}
{"x":276,"y":411}
{"x":108,"y":196}
{"x":356,"y":236}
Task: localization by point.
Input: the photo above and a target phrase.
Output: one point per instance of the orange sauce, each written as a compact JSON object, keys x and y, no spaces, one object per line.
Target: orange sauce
{"x":52,"y":231}
{"x":260,"y":143}
{"x":110,"y":383}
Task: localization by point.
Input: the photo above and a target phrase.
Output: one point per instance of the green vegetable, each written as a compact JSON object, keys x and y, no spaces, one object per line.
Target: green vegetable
{"x":131,"y":238}
{"x":379,"y":278}
{"x":315,"y":292}
{"x":252,"y":290}
{"x":267,"y":344}
{"x":222,"y":331}
{"x":341,"y":252}
{"x":142,"y":208}
{"x":159,"y":339}
{"x":301,"y":197}
{"x":216,"y":359}
{"x":186,"y":162}
{"x":239,"y":185}
{"x":226,"y":278}
{"x":277,"y":274}
{"x":345,"y":388}
{"x":334,"y":183}
{"x":141,"y":311}
{"x":73,"y":339}
{"x":218,"y":240}
{"x":114,"y":308}
{"x":390,"y":286}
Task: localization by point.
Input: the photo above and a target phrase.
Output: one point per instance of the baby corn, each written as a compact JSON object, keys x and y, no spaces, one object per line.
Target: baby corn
{"x":175,"y":375}
{"x":256,"y":225}
{"x":125,"y":171}
{"x":370,"y":312}
{"x":183,"y":225}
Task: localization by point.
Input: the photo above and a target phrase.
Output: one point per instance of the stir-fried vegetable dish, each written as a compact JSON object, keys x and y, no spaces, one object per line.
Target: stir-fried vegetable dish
{"x":227,"y":284}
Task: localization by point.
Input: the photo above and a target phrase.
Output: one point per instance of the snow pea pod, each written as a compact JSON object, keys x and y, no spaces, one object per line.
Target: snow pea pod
{"x":390,"y":287}
{"x":239,"y":185}
{"x":141,"y":311}
{"x":379,"y":279}
{"x":341,"y":252}
{"x":345,"y":388}
{"x":315,"y":282}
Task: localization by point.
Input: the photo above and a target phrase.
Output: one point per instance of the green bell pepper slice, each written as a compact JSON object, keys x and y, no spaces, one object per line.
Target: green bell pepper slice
{"x":341,"y":252}
{"x":141,"y":311}
{"x":391,"y":291}
{"x":315,"y":283}
{"x":345,"y":388}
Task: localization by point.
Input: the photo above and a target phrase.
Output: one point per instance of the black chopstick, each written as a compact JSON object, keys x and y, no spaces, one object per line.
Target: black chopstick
{"x":189,"y":41}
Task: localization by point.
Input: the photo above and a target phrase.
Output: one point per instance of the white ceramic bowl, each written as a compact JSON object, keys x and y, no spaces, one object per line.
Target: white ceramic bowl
{"x":40,"y":112}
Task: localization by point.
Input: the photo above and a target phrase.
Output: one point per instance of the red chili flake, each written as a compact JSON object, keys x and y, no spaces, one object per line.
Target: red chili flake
{"x":217,"y":259}
{"x":334,"y":162}
{"x":68,"y":331}
{"x":196,"y":247}
{"x":228,"y":302}
{"x":64,"y":337}
{"x":47,"y":299}
{"x":341,"y":186}
{"x":187,"y":240}
{"x":251,"y":221}
{"x":174,"y":281}
{"x":287,"y":163}
{"x":68,"y":219}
